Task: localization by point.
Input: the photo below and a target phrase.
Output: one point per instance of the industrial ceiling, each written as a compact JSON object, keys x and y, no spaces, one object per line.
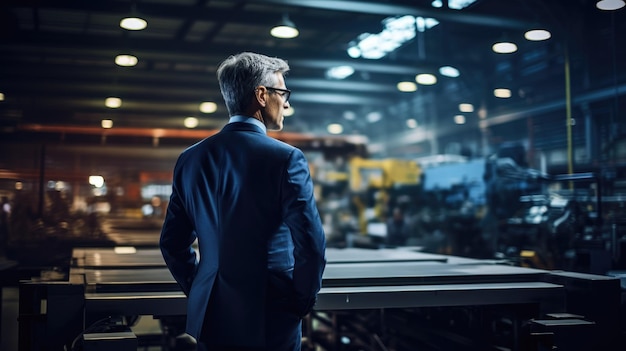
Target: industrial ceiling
{"x":57,"y":65}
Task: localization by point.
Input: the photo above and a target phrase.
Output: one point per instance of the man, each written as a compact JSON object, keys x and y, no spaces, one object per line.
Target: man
{"x":5,"y":212}
{"x":248,"y":200}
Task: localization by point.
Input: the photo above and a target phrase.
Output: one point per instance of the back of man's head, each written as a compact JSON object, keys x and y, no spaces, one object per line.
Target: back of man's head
{"x":239,"y":75}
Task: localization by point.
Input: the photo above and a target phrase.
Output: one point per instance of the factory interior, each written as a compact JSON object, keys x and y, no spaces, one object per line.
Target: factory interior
{"x":468,"y":159}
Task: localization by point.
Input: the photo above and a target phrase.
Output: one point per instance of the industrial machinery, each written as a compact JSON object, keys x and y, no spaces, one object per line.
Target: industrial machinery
{"x":451,"y":206}
{"x":498,"y":207}
{"x":360,"y":194}
{"x":377,"y":187}
{"x":572,"y":224}
{"x":383,"y":173}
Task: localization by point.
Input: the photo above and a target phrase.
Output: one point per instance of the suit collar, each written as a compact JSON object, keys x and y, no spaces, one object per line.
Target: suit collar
{"x":248,"y":120}
{"x":243,"y":126}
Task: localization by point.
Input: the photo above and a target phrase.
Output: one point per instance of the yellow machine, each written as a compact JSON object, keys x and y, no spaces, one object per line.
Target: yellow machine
{"x":382,"y":174}
{"x":379,"y":175}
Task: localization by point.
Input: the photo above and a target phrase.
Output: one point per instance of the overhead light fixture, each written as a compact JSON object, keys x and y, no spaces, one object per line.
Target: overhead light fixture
{"x":208,"y":107}
{"x":502,"y":93}
{"x":449,"y":71}
{"x":426,"y":79}
{"x":349,"y":115}
{"x":107,"y":123}
{"x":1,"y":96}
{"x":96,"y":180}
{"x":335,"y":128}
{"x":126,"y":60}
{"x":411,"y":123}
{"x":465,"y":107}
{"x":537,"y":35}
{"x":340,"y":72}
{"x":459,"y":119}
{"x":610,"y":5}
{"x":407,"y":87}
{"x":286,"y":29}
{"x":133,"y":23}
{"x":459,"y":4}
{"x":113,"y":102}
{"x":190,"y":122}
{"x":374,"y":116}
{"x":504,"y":47}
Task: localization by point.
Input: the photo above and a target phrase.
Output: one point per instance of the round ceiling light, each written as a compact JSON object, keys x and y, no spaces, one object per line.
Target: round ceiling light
{"x":133,"y":23}
{"x":208,"y":107}
{"x":449,"y":71}
{"x":113,"y":102}
{"x":426,"y":79}
{"x":286,"y":29}
{"x":284,"y":32}
{"x":190,"y":122}
{"x":126,"y":60}
{"x":537,"y":35}
{"x":465,"y":107}
{"x":335,"y":128}
{"x":610,"y":5}
{"x":106,"y":123}
{"x":504,"y":47}
{"x":374,"y":116}
{"x":349,"y":115}
{"x":502,"y":93}
{"x":406,"y":87}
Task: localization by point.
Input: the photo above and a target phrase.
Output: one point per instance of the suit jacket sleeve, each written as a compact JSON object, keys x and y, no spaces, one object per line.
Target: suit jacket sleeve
{"x":303,"y":220}
{"x":177,"y":237}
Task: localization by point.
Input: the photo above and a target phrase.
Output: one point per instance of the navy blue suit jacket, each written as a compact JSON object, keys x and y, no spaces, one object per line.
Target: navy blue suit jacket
{"x":248,"y":199}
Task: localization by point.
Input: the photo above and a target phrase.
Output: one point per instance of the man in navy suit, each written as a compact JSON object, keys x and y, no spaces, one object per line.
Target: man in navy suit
{"x":248,"y":200}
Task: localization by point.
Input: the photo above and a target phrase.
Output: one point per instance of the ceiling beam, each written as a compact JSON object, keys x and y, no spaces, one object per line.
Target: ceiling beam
{"x":187,"y":13}
{"x":33,"y":46}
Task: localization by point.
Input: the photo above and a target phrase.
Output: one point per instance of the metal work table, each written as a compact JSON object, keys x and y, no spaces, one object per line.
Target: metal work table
{"x":147,"y":258}
{"x":135,"y":282}
{"x":104,"y":270}
{"x":164,"y":303}
{"x":139,"y":282}
{"x":335,"y":275}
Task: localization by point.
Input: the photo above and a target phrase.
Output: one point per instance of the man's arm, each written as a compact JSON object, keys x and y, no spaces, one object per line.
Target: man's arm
{"x":302,"y":218}
{"x":177,"y":236}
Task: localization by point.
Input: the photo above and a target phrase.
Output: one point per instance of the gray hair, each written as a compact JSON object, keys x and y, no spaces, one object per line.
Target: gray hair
{"x":239,"y":75}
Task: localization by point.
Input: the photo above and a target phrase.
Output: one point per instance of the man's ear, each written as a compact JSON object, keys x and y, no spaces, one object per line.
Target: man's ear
{"x":261,"y":95}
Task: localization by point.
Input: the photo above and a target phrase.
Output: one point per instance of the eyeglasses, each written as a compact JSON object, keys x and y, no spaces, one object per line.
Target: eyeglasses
{"x":285,"y":93}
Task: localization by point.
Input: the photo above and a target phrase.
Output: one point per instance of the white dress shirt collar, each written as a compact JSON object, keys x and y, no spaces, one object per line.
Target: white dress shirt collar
{"x":246,"y":119}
